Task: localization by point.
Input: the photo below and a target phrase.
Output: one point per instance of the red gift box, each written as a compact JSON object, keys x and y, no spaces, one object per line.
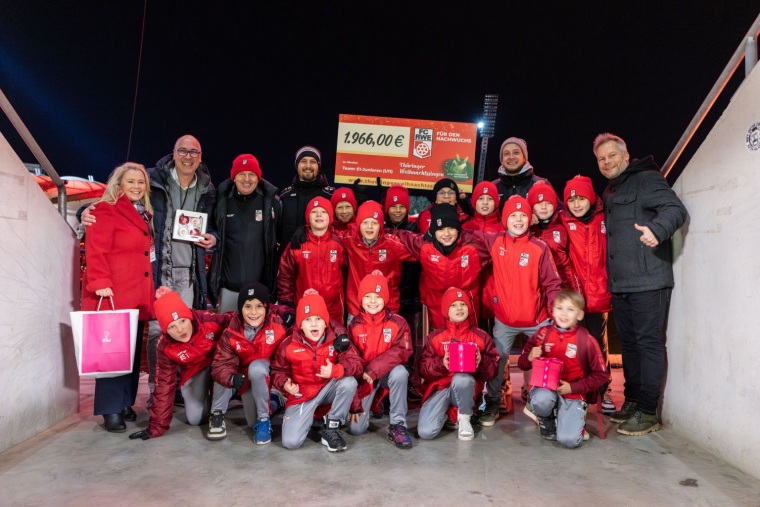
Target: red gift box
{"x":546,"y":372}
{"x":462,"y":357}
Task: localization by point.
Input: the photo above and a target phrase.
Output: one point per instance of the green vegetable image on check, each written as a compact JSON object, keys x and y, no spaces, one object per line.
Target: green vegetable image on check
{"x":458,"y":169}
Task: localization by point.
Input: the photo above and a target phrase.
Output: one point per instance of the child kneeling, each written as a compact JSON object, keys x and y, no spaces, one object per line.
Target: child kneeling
{"x":313,"y":368}
{"x":562,"y":413}
{"x":383,"y":341}
{"x":449,"y":394}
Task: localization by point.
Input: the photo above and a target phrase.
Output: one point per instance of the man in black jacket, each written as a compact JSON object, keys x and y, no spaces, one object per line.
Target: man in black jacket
{"x":246,"y":215}
{"x":309,"y":183}
{"x":641,"y":214}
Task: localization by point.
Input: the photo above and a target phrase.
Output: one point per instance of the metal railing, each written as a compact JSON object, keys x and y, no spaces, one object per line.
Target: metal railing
{"x":6,"y":106}
{"x":747,"y":51}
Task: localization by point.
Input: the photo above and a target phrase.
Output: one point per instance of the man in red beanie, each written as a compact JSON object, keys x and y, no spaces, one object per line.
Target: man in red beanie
{"x":516,"y":175}
{"x":247,"y":214}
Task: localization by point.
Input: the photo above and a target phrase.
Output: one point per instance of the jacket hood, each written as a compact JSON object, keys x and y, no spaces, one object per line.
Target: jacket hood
{"x":526,"y":172}
{"x":636,"y":166}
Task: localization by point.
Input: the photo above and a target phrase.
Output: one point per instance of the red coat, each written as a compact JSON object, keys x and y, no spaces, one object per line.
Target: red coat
{"x":191,"y":357}
{"x":555,"y":237}
{"x":300,"y":359}
{"x":424,"y":218}
{"x":118,"y":256}
{"x":526,"y":280}
{"x":386,"y":254}
{"x":588,"y":253}
{"x":319,"y":264}
{"x":486,"y":224}
{"x":235,"y":352}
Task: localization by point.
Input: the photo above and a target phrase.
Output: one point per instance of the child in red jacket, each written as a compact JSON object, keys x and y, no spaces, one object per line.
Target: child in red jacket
{"x":344,"y":203}
{"x":587,"y":236}
{"x":242,"y":361}
{"x":314,"y":370}
{"x":384,"y":343}
{"x":319,"y":262}
{"x":188,"y":340}
{"x":562,"y":413}
{"x":445,"y":390}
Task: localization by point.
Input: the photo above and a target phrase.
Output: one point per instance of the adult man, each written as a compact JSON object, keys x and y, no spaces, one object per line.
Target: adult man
{"x":308,"y":183}
{"x":515,"y":172}
{"x":246,"y":216}
{"x":641,"y":213}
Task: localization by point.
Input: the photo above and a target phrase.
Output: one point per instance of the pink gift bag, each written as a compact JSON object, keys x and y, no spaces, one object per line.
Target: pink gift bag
{"x":546,"y":372}
{"x":462,"y":357}
{"x":104,"y":342}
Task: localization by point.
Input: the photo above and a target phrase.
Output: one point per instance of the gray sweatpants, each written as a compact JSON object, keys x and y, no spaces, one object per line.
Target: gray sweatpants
{"x":298,"y":418}
{"x":396,"y":381}
{"x":195,"y":392}
{"x":255,"y":399}
{"x":571,"y":414}
{"x":433,"y":414}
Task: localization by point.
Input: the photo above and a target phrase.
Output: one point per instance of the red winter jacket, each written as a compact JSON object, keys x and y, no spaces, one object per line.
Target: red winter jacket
{"x":300,"y":359}
{"x":461,"y":268}
{"x":588,"y":253}
{"x":555,"y":237}
{"x":386,"y":254}
{"x":484,"y":223}
{"x":319,"y":264}
{"x":192,"y":357}
{"x":118,"y":256}
{"x":526,"y":280}
{"x":488,"y":224}
{"x":424,"y":218}
{"x":588,"y":355}
{"x":235,"y":352}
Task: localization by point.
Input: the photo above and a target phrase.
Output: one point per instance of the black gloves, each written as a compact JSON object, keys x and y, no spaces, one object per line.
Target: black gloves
{"x":237,"y":381}
{"x":299,"y":238}
{"x":342,"y":343}
{"x":142,"y":435}
{"x":465,"y":205}
{"x":383,"y":192}
{"x":289,"y":319}
{"x":360,"y":192}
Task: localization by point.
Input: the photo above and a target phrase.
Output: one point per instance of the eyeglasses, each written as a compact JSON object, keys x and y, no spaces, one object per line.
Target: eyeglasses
{"x":446,"y":193}
{"x":182,"y":152}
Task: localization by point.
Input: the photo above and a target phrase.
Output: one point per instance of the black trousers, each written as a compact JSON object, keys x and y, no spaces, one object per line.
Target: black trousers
{"x":115,"y":393}
{"x":641,"y":318}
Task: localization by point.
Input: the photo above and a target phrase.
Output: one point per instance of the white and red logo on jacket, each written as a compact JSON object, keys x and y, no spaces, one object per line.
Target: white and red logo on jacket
{"x":333,"y":255}
{"x":557,"y":236}
{"x":382,"y":255}
{"x":524,"y":257}
{"x":572,"y":226}
{"x":386,"y":335}
{"x":305,"y":253}
{"x":183,"y":355}
{"x":269,"y":336}
{"x":465,"y":261}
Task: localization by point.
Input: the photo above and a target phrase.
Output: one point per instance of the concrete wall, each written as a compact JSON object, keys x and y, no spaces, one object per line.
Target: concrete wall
{"x":712,"y":393}
{"x":39,"y":286}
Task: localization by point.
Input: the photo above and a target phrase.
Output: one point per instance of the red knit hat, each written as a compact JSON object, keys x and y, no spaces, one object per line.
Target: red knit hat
{"x":370,"y":209}
{"x":320,"y":202}
{"x":485,"y":188}
{"x":453,"y":294}
{"x":516,"y":203}
{"x":396,"y":195}
{"x":311,"y":304}
{"x":542,"y":191}
{"x":169,"y":307}
{"x":376,"y":283}
{"x":343,"y":194}
{"x":580,"y":186}
{"x":246,"y":162}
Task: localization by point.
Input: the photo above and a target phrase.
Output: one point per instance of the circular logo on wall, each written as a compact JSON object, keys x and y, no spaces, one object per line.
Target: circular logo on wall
{"x":753,"y":137}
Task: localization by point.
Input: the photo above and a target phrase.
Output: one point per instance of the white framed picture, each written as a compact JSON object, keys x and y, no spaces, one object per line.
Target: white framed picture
{"x":189,"y":225}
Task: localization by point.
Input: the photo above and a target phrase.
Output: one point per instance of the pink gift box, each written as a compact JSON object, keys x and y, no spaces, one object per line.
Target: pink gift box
{"x":546,"y":372}
{"x":462,"y":357}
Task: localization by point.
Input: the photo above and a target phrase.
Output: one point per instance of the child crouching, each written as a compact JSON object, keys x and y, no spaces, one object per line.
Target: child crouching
{"x":383,"y":341}
{"x":310,"y":367}
{"x":444,"y":389}
{"x":562,"y":413}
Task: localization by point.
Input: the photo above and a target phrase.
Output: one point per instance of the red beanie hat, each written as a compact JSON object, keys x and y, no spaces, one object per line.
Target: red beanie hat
{"x":170,"y":307}
{"x":516,"y":203}
{"x":485,"y":188}
{"x":370,"y":209}
{"x":311,"y":304}
{"x":343,"y":194}
{"x":246,"y":162}
{"x":542,"y":191}
{"x":374,"y":282}
{"x":396,"y":195}
{"x":453,"y":294}
{"x":319,"y":202}
{"x":580,"y":186}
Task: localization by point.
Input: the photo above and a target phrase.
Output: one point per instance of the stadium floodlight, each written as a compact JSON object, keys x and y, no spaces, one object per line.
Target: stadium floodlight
{"x":486,"y":127}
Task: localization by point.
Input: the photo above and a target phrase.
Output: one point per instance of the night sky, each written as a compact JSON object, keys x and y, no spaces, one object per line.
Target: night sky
{"x":267,"y":78}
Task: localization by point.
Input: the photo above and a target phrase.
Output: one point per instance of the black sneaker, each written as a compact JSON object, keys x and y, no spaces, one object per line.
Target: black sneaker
{"x":625,"y":412}
{"x":398,"y":434}
{"x":217,"y":430}
{"x":490,"y":414}
{"x":548,"y":427}
{"x":332,"y":437}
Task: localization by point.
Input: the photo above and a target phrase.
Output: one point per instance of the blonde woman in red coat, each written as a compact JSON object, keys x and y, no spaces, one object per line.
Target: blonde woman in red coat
{"x":120,"y":249}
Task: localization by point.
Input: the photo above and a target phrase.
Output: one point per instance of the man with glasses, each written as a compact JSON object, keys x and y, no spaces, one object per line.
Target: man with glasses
{"x":515,"y":172}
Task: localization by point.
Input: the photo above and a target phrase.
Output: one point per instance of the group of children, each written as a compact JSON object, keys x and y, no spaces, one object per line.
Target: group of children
{"x":526,"y":269}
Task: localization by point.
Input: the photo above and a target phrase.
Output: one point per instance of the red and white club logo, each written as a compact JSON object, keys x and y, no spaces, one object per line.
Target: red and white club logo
{"x":306,"y":309}
{"x":423,"y":143}
{"x":377,"y":288}
{"x":175,"y":315}
{"x":395,"y":198}
{"x":540,"y":197}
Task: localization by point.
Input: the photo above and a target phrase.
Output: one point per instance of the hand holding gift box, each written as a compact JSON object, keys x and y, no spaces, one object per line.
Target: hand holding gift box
{"x":546,"y":372}
{"x":463,"y":357}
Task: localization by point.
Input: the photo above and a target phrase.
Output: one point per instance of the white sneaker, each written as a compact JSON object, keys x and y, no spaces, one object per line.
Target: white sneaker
{"x":465,"y":428}
{"x":585,"y":434}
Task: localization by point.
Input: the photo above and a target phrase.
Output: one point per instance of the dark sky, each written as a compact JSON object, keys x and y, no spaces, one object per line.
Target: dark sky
{"x":268,"y":77}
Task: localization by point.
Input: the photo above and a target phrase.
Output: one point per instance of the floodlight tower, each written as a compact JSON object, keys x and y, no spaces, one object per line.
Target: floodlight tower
{"x":486,"y":126}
